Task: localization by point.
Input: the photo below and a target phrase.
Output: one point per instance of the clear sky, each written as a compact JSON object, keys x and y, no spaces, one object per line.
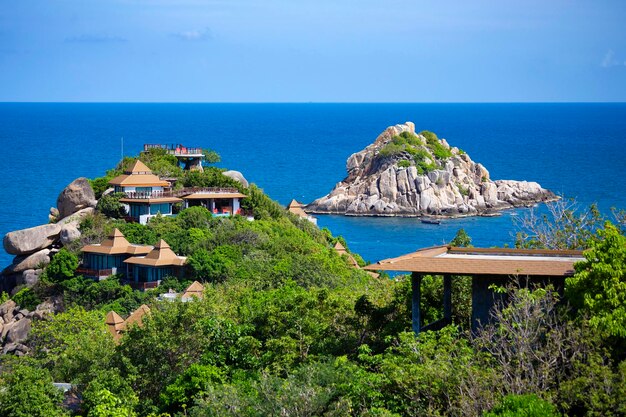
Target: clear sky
{"x":312,"y":50}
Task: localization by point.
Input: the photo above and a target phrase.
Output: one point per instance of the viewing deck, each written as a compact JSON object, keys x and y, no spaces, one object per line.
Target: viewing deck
{"x":145,"y":195}
{"x":176,"y":150}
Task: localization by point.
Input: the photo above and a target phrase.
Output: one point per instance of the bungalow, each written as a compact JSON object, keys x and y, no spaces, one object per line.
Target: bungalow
{"x":107,"y":258}
{"x":147,"y":271}
{"x":117,"y":325}
{"x":146,"y":194}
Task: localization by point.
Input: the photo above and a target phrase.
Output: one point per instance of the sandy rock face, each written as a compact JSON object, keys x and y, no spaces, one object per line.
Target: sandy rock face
{"x":399,"y":183}
{"x":237,"y":176}
{"x":76,"y":196}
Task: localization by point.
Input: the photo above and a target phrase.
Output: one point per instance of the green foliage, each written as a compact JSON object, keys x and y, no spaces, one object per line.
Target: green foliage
{"x":27,"y":298}
{"x":194,"y":382}
{"x":461,"y":239}
{"x":599,"y":286}
{"x":73,"y":345}
{"x":404,"y":163}
{"x":27,"y":391}
{"x":209,"y":177}
{"x":110,"y":205}
{"x":210,"y":156}
{"x":216,"y":266}
{"x":62,"y":266}
{"x":433,"y":143}
{"x":108,"y":392}
{"x":523,"y":406}
{"x":106,"y":404}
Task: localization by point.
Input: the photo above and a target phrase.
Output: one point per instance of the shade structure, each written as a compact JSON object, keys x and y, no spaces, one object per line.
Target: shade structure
{"x":487,"y":267}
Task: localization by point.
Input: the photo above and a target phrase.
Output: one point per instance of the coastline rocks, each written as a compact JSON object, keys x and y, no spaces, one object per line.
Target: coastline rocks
{"x":33,"y":261}
{"x":237,"y":176}
{"x":76,"y":196}
{"x":425,"y":177}
{"x":27,"y":241}
{"x":69,"y":233}
{"x":15,"y":324}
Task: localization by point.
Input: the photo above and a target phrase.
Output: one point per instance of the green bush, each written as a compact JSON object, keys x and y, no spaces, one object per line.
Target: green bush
{"x":404,"y":164}
{"x":27,"y":298}
{"x":523,"y":406}
{"x":62,"y":266}
{"x":110,"y":205}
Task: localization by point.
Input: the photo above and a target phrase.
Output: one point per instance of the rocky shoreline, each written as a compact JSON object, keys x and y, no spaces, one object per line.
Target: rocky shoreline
{"x":409,"y":174}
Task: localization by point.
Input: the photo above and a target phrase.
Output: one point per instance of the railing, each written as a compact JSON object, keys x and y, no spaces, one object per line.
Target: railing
{"x":141,"y":285}
{"x":178,"y":193}
{"x":94,"y":272}
{"x":174,"y":149}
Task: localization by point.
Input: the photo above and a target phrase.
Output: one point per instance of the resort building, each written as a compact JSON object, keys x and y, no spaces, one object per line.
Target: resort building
{"x":297,"y":208}
{"x":188,"y":158}
{"x":147,"y":271}
{"x":146,"y":194}
{"x":195,"y":291}
{"x":107,"y":258}
{"x":487,"y":267}
{"x":219,"y":201}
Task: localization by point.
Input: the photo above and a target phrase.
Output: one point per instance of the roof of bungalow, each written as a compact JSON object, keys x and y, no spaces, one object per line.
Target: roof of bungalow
{"x":194,"y":290}
{"x":115,"y":324}
{"x":139,"y":175}
{"x":445,"y":259}
{"x":136,"y":317}
{"x":341,"y":250}
{"x":116,"y":244}
{"x":295,"y":207}
{"x":212,"y":195}
{"x":161,"y":255}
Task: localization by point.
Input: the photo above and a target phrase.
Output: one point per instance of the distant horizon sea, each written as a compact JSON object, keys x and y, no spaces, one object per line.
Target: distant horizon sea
{"x":577,"y":150}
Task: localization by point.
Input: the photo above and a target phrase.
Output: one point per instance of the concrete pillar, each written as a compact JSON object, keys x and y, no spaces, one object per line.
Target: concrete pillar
{"x":416,"y":283}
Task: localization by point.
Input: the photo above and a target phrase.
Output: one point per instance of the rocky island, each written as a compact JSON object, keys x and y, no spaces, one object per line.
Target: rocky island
{"x":404,"y":173}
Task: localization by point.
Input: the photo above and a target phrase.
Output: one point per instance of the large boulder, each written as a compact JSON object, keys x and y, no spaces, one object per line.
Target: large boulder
{"x":18,"y":331}
{"x":69,"y":233}
{"x":6,"y":310}
{"x":33,"y":261}
{"x":77,"y":217}
{"x":27,"y":241}
{"x":237,"y":176}
{"x":76,"y":196}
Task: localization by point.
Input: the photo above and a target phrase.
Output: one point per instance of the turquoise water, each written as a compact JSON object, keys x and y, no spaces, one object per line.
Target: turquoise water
{"x":299,"y":151}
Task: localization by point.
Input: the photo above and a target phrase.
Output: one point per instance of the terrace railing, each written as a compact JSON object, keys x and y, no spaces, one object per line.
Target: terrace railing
{"x":141,"y":285}
{"x":179,"y":193}
{"x":174,"y":149}
{"x":95,"y":273}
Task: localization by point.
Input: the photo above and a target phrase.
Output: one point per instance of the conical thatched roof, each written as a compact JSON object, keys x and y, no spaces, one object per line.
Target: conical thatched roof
{"x":296,"y":208}
{"x":139,"y":175}
{"x":161,"y":255}
{"x":194,"y":290}
{"x":117,"y":244}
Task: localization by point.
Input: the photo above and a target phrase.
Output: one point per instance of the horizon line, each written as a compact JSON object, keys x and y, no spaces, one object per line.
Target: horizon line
{"x":313,"y":102}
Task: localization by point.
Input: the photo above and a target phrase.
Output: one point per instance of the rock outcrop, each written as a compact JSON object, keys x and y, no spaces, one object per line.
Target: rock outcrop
{"x":15,"y":324}
{"x":407,"y":174}
{"x":237,"y":176}
{"x":76,"y":196}
{"x":33,"y":239}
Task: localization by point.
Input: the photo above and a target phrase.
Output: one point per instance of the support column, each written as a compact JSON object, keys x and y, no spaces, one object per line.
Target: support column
{"x":416,"y":283}
{"x":447,"y":297}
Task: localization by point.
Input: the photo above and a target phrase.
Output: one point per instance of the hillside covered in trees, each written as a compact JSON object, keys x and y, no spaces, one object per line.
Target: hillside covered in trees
{"x":288,"y":327}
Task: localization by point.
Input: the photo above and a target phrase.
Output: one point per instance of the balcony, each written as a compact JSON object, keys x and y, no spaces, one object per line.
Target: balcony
{"x":178,"y":193}
{"x":176,"y":150}
{"x":141,"y":286}
{"x":95,"y":273}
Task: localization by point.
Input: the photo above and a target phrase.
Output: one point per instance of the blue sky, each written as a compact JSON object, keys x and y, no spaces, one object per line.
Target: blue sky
{"x":320,"y":51}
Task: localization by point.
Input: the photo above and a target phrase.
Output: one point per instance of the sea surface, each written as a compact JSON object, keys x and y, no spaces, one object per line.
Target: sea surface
{"x":300,"y":150}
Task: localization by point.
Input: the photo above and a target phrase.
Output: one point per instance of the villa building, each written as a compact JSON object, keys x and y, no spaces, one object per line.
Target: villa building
{"x":147,"y":271}
{"x":219,"y":201}
{"x":146,"y":194}
{"x":107,"y":258}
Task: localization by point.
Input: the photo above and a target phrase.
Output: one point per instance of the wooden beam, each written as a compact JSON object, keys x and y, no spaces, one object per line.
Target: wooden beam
{"x":416,"y":283}
{"x":447,"y":297}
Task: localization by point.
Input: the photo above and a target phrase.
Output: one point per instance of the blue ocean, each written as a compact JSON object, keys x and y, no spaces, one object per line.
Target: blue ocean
{"x":300,"y":150}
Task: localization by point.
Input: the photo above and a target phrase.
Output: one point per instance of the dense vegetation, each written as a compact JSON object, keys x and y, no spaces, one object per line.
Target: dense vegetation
{"x":425,"y":151}
{"x":288,"y":328}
